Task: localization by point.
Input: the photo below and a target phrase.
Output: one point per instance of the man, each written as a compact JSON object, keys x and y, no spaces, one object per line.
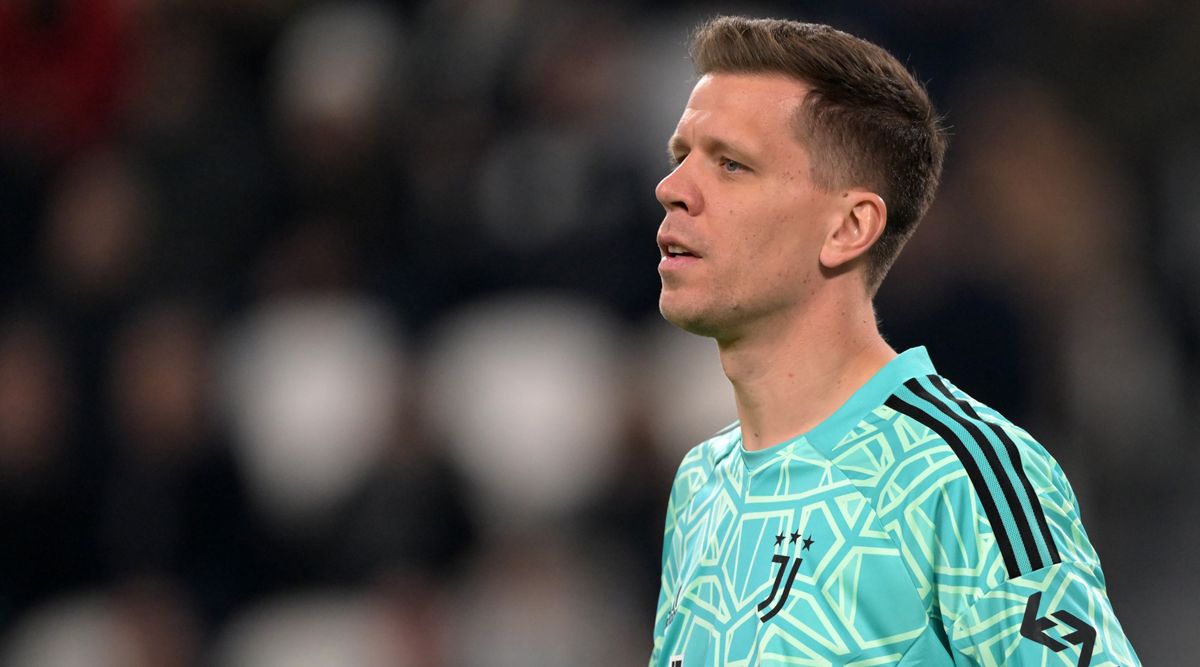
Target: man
{"x":862,"y":510}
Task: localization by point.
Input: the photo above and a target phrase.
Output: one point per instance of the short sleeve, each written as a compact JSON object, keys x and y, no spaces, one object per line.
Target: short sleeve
{"x":1058,"y":615}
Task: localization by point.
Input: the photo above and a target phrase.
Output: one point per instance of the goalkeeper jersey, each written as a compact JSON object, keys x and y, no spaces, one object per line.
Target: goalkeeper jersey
{"x":914,"y":526}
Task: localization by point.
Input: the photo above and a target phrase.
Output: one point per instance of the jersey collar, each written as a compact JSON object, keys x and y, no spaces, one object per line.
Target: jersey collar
{"x":909,"y":364}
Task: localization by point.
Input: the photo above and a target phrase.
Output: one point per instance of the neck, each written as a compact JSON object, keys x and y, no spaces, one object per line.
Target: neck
{"x":791,"y":373}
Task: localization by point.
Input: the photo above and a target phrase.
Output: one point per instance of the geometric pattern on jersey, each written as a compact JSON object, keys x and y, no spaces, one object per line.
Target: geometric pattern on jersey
{"x":913,"y":526}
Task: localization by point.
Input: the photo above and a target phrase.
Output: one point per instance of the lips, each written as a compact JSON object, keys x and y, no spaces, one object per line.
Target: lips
{"x":676,"y":256}
{"x":670,"y":246}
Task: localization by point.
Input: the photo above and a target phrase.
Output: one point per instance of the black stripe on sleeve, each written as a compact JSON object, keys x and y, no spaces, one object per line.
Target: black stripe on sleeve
{"x":1007,"y":489}
{"x":973,"y":473}
{"x":1014,"y":457}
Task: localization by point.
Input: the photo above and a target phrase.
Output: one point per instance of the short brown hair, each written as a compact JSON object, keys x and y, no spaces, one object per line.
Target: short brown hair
{"x":866,"y":120}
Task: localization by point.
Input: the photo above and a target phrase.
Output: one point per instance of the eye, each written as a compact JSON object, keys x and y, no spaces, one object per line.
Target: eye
{"x":676,"y":160}
{"x":732,"y":166}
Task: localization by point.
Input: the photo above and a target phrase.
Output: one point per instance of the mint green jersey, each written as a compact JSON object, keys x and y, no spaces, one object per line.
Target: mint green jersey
{"x":915,"y":526}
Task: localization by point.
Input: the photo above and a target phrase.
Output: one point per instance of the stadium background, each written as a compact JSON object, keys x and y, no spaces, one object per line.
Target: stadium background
{"x":329,"y":331}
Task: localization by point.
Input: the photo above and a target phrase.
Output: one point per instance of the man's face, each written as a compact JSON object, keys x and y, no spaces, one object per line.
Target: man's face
{"x":744,"y":224}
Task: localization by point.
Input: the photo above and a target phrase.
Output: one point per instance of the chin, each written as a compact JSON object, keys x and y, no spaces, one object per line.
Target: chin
{"x":687,"y":317}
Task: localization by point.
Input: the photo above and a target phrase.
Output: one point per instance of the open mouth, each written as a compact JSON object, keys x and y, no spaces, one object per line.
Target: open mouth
{"x":679,"y":251}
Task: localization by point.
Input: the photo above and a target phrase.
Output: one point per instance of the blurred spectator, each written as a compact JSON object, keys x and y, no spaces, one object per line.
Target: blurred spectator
{"x":92,"y":268}
{"x":316,"y":629}
{"x":309,"y":384}
{"x":61,"y":65}
{"x":525,"y":392}
{"x":45,"y":501}
{"x":336,"y":80}
{"x":1056,"y":210}
{"x":192,"y":114}
{"x":142,"y":623}
{"x":173,"y":503}
{"x":410,"y":515}
{"x":98,"y":223}
{"x":558,"y":204}
{"x":542,"y":599}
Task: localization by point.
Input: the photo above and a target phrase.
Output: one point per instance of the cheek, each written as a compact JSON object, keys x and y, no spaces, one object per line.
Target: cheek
{"x":776,"y":242}
{"x":775,"y":233}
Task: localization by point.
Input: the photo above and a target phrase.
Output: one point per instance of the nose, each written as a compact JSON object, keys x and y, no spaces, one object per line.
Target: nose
{"x":678,"y":191}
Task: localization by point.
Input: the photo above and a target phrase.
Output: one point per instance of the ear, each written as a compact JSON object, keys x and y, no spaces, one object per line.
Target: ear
{"x":862,"y":222}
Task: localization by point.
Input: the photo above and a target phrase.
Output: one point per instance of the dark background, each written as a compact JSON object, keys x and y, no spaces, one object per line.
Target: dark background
{"x":329,"y":330}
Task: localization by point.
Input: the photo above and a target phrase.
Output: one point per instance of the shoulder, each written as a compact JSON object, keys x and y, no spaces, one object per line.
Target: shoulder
{"x":1010,"y":462}
{"x":1008,"y":473}
{"x":1019,"y":496}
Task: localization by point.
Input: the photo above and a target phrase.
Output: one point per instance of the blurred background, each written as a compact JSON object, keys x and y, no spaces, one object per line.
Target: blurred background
{"x":329,"y":330}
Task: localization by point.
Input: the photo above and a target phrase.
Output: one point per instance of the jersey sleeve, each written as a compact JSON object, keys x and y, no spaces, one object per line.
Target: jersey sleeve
{"x":1058,"y":615}
{"x":1013,"y":575}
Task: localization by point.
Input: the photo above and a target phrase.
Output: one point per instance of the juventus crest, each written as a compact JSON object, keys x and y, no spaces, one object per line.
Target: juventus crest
{"x":789,"y":566}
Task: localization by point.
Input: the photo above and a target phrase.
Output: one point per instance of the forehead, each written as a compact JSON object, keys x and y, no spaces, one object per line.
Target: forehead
{"x":754,"y":106}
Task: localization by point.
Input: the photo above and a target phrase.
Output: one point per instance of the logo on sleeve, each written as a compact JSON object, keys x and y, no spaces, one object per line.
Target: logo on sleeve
{"x":1083,"y":635}
{"x":788,"y":564}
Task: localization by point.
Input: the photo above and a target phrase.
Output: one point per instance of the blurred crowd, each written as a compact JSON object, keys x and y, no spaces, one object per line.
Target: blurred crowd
{"x":328,"y":332}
